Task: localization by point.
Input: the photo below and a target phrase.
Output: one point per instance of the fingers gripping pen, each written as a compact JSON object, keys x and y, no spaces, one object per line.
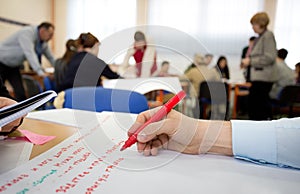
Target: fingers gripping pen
{"x":166,"y":108}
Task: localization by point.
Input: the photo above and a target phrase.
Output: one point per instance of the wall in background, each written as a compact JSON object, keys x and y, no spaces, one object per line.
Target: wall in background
{"x":36,"y":11}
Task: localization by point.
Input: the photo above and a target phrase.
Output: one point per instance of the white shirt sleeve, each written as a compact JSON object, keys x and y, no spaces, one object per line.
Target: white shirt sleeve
{"x":267,"y":142}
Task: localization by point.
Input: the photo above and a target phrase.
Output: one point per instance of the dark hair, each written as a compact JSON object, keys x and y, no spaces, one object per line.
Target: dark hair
{"x":71,"y":49}
{"x":224,"y":71}
{"x":139,"y":36}
{"x":282,"y":53}
{"x":165,"y":63}
{"x":252,"y":38}
{"x":45,"y":25}
{"x":87,"y":40}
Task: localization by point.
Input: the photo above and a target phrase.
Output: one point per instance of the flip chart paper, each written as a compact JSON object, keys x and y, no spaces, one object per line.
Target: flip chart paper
{"x":84,"y":162}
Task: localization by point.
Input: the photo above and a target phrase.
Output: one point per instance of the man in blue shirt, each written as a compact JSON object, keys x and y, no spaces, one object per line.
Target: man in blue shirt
{"x":265,"y":142}
{"x":29,"y":43}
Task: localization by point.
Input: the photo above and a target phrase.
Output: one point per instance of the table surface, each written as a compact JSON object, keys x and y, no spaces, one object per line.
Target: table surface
{"x":186,"y":173}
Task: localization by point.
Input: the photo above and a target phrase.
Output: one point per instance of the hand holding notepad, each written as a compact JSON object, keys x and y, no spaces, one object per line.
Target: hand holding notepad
{"x":12,"y":112}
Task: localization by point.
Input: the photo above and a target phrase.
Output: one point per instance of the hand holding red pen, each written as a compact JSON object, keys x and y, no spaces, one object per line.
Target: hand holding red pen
{"x":156,"y":119}
{"x":176,"y":132}
{"x":162,"y":112}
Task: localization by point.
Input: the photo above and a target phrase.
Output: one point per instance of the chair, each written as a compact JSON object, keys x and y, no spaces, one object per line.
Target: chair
{"x":32,"y":87}
{"x":289,"y":99}
{"x":103,"y":99}
{"x":241,"y":90}
{"x":215,"y":95}
{"x":48,"y":84}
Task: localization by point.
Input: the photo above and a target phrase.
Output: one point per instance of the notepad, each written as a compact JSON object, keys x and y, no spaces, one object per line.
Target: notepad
{"x":15,"y":111}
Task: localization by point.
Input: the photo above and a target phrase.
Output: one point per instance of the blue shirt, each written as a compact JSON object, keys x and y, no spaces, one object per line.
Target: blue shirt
{"x":267,"y":142}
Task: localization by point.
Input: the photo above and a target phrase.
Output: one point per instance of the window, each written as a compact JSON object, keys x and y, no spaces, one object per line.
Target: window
{"x":100,"y":17}
{"x":223,"y":27}
{"x":287,"y":29}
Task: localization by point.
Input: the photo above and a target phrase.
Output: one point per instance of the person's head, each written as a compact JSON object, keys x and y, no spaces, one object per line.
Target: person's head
{"x":199,"y":59}
{"x":139,"y":40}
{"x":297,"y":68}
{"x":165,"y":66}
{"x":46,"y":31}
{"x":222,"y":62}
{"x":251,"y":40}
{"x":282,"y":53}
{"x":71,"y":45}
{"x":208,"y":58}
{"x":260,"y":22}
{"x":71,"y":49}
{"x":89,"y":43}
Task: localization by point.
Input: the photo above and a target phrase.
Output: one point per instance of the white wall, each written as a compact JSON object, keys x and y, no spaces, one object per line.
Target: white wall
{"x":55,"y":11}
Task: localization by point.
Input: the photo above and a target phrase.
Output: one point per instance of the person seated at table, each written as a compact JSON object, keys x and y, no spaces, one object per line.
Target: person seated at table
{"x":85,"y":68}
{"x":208,"y":58}
{"x":164,"y":70}
{"x":222,"y":68}
{"x":61,"y":63}
{"x":283,"y":74}
{"x":144,"y":55}
{"x":277,"y":143}
{"x":201,"y":72}
{"x":196,"y":75}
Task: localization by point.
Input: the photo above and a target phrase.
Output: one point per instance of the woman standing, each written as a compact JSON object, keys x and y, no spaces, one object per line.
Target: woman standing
{"x":261,"y":60}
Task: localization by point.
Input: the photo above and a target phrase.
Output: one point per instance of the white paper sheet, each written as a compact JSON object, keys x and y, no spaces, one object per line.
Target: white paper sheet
{"x":90,"y":162}
{"x":145,"y":85}
{"x":83,"y":162}
{"x":13,"y":153}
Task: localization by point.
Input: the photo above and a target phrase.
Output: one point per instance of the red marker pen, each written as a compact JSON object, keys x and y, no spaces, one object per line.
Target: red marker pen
{"x":158,"y":116}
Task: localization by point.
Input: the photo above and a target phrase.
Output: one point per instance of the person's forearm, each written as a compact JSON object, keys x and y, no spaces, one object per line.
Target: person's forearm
{"x":222,"y":137}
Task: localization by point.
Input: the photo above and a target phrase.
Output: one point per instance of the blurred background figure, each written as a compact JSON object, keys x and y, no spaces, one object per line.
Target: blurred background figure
{"x":85,"y":68}
{"x":283,"y":74}
{"x":208,"y":59}
{"x":61,"y":63}
{"x":196,"y":75}
{"x":246,"y":53}
{"x":222,"y":67}
{"x":29,"y":43}
{"x":297,"y":70}
{"x":164,"y":70}
{"x":261,"y":61}
{"x":144,"y":56}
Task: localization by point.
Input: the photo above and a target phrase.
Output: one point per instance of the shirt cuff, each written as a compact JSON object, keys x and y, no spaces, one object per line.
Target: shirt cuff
{"x":40,"y":72}
{"x":254,"y":141}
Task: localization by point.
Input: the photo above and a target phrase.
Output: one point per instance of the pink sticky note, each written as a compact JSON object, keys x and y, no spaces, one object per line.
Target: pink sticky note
{"x":36,"y":138}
